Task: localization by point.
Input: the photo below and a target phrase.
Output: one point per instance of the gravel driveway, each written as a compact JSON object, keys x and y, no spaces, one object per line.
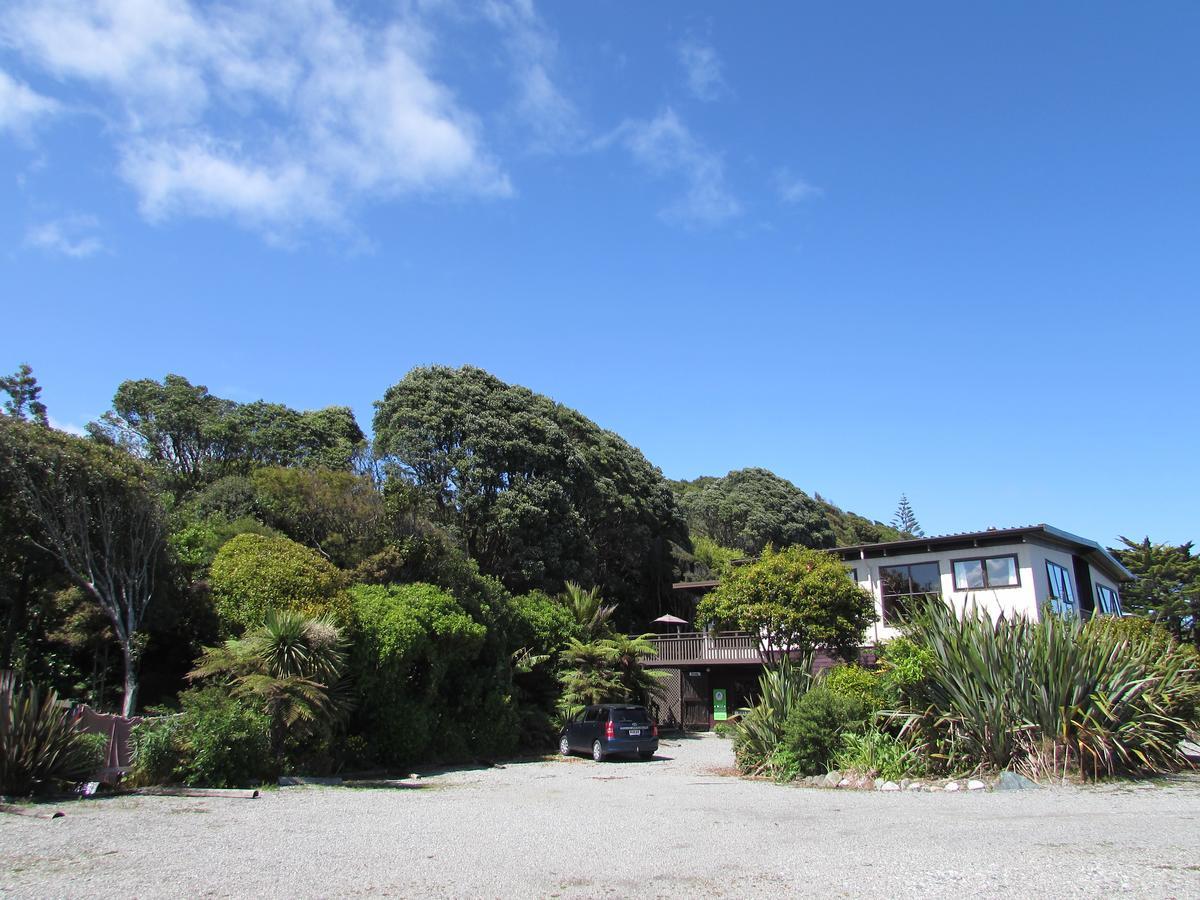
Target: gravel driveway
{"x":668,"y":827}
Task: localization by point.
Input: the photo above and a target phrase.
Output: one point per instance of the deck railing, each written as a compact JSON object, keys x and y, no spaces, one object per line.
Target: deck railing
{"x":696,"y":647}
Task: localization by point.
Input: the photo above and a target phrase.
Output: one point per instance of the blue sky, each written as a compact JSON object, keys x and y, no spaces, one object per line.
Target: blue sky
{"x":941,"y":248}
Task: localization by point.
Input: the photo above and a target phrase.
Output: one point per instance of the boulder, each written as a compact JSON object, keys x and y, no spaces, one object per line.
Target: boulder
{"x":889,"y":786}
{"x":976,"y":785}
{"x":832,"y":779}
{"x":1011,"y":781}
{"x":951,"y":786}
{"x":845,"y":783}
{"x":913,"y":786}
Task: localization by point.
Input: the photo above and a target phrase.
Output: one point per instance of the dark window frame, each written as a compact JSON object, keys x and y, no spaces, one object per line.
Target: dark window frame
{"x":1061,"y":604}
{"x":890,"y":621}
{"x":983,"y":560}
{"x":1114,"y":609}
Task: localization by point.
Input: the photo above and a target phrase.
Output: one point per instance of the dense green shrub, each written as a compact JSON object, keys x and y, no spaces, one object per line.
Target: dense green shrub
{"x":854,"y":682}
{"x":232,"y":497}
{"x":433,"y":558}
{"x":216,"y":741}
{"x":222,"y":741}
{"x":538,"y":627}
{"x":39,"y":747}
{"x":195,"y":544}
{"x":816,"y":725}
{"x":430,"y":682}
{"x":879,"y":754}
{"x":254,"y":573}
{"x":1051,"y":697}
{"x":1141,"y":630}
{"x":154,"y":750}
{"x":540,"y":622}
{"x":904,"y":666}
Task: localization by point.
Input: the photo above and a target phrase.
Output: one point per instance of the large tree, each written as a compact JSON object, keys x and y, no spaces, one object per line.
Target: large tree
{"x":751,"y":508}
{"x":1167,"y":587}
{"x":98,"y":515}
{"x":196,"y":436}
{"x":538,"y":493}
{"x":792,"y":599}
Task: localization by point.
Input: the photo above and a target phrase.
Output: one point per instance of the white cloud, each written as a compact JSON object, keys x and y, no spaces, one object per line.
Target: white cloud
{"x":533,"y":50}
{"x":73,"y":236}
{"x":701,"y":69}
{"x":792,"y":188}
{"x":21,"y":107}
{"x":277,"y":113}
{"x":666,"y":147}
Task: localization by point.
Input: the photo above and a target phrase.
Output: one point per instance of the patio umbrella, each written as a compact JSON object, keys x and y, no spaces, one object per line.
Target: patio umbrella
{"x":670,"y":620}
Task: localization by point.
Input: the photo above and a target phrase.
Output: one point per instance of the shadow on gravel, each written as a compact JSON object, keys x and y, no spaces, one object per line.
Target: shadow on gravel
{"x":385,"y":784}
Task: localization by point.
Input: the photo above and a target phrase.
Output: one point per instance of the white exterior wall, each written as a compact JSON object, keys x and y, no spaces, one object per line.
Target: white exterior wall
{"x":1025,"y":599}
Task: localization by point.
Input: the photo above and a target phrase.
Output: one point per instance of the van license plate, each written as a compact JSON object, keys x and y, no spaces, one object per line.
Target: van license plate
{"x":635,"y":732}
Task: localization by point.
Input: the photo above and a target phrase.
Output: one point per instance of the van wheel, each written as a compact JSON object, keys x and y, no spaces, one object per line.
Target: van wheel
{"x":564,"y":746}
{"x":597,"y":752}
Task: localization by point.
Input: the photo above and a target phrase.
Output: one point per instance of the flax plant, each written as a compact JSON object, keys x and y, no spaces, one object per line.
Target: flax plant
{"x":760,"y":732}
{"x":39,"y":746}
{"x":1049,"y":697}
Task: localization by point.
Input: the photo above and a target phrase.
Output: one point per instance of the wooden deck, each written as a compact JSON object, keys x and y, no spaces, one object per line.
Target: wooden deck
{"x":693,"y":648}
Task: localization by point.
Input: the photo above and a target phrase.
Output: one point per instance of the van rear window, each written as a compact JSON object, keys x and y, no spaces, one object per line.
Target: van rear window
{"x":638,"y":716}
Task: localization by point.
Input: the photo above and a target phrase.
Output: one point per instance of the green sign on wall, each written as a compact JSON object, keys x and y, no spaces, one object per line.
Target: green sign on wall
{"x":720,"y":711}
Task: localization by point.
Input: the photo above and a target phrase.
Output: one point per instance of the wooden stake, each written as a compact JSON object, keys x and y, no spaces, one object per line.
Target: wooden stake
{"x":228,"y":793}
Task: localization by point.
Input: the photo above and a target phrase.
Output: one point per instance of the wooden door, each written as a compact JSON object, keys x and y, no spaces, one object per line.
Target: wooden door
{"x":697,"y":708}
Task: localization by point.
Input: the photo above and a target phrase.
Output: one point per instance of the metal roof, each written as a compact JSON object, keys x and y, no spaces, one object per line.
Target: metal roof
{"x":1091,"y":549}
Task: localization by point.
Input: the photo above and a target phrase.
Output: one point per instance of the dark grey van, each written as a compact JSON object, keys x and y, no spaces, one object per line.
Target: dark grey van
{"x":609,"y":729}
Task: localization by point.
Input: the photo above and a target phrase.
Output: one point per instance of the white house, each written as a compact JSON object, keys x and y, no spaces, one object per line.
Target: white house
{"x":1001,"y":570}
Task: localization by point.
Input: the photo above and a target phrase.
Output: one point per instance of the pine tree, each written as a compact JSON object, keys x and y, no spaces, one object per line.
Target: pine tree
{"x":23,"y":391}
{"x":905,"y":519}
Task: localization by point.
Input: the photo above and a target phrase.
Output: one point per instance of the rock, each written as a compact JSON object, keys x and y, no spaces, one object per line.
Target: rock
{"x":976,"y":785}
{"x":1011,"y":781}
{"x":866,"y":784}
{"x":845,"y":782}
{"x":912,"y":785}
{"x":951,"y":786}
{"x":890,"y":786}
{"x":904,"y":783}
{"x":832,"y":779}
{"x":1190,"y":751}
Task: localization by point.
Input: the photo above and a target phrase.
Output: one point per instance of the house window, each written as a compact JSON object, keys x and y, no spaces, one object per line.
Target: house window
{"x":1107,"y":600}
{"x":853,"y":572}
{"x":1062,"y":597}
{"x":901,"y":585}
{"x":986,"y":572}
